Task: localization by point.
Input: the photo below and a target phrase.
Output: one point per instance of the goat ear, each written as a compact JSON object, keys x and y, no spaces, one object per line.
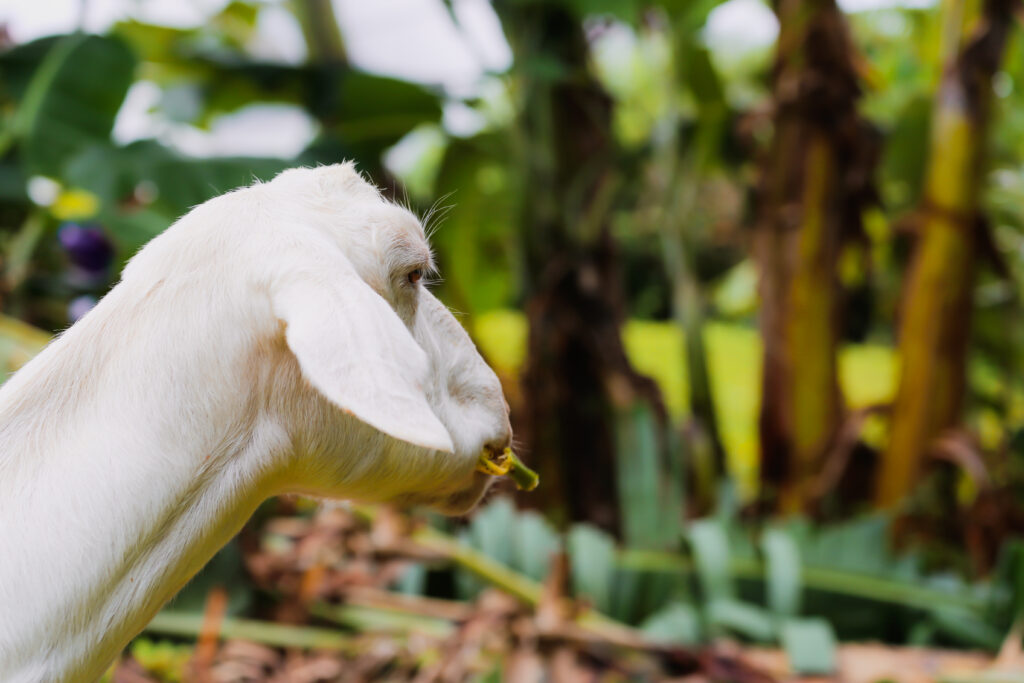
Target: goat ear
{"x":353,"y":348}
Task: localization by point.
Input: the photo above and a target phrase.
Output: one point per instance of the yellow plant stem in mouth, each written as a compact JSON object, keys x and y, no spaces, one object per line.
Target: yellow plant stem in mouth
{"x":506,"y":463}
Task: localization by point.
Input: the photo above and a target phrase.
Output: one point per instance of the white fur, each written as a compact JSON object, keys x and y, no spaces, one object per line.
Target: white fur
{"x":268,"y":342}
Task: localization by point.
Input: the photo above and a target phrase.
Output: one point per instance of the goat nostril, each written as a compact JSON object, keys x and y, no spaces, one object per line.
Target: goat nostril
{"x":500,"y":444}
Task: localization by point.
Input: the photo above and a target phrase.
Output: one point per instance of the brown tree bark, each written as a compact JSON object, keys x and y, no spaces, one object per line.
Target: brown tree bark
{"x":577,"y":382}
{"x":815,"y":180}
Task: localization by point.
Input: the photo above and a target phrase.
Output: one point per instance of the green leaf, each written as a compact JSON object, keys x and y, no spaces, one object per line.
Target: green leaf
{"x":492,"y":531}
{"x":628,"y":595}
{"x":675,"y":623}
{"x":1010,"y":572}
{"x":133,"y":229}
{"x":412,"y":581}
{"x":380,"y":109}
{"x":19,"y":247}
{"x":967,"y":629}
{"x":701,"y":77}
{"x":623,"y":10}
{"x":19,"y":63}
{"x":152,"y":43}
{"x":72,"y":100}
{"x":860,"y":545}
{"x":782,"y":557}
{"x":710,"y":546}
{"x":476,"y":241}
{"x":648,"y":495}
{"x":592,"y":561}
{"x":535,"y":544}
{"x":638,"y":594}
{"x":689,"y":16}
{"x":12,"y":184}
{"x":112,"y":173}
{"x":810,"y":645}
{"x":742,"y":618}
{"x":905,"y":154}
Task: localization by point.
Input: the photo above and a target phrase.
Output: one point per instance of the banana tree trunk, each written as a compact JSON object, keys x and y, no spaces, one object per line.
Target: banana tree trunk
{"x":580,"y":392}
{"x":815,"y":180}
{"x":937,"y":307}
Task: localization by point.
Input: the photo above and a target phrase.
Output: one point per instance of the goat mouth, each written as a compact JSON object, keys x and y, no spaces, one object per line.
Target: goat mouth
{"x":506,"y":463}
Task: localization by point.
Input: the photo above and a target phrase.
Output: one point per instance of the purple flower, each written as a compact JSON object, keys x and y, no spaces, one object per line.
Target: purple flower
{"x":79,"y":306}
{"x":87,"y":246}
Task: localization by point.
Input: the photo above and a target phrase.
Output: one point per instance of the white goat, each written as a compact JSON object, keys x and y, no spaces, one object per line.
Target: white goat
{"x":275,"y":339}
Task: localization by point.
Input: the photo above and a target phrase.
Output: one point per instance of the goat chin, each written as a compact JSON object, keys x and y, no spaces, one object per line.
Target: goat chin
{"x":456,"y":503}
{"x":275,"y":339}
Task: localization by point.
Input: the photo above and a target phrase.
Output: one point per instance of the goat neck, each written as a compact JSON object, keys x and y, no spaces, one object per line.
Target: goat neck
{"x":113,"y":486}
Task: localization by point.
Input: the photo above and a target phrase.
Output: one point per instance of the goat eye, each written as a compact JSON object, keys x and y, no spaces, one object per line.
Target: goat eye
{"x":415,"y":276}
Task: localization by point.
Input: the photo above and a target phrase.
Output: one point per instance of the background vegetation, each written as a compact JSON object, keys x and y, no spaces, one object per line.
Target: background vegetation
{"x":756,"y":309}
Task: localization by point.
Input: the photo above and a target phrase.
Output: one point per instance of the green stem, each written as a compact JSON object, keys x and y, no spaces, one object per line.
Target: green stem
{"x":278,"y":635}
{"x":320,"y":29}
{"x":365,"y":619}
{"x":824,"y":579}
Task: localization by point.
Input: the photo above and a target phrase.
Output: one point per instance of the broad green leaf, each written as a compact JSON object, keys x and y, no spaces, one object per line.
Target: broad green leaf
{"x":637,"y":594}
{"x":492,"y":531}
{"x":689,"y":16}
{"x":1010,"y":572}
{"x":623,"y":10}
{"x":782,"y":557}
{"x":180,"y":182}
{"x":413,"y":581}
{"x":12,"y":183}
{"x":648,"y":494}
{"x":132,"y":229}
{"x":702,"y":78}
{"x":475,"y":239}
{"x":152,"y":43}
{"x":967,"y":629}
{"x":592,"y":562}
{"x":535,"y":544}
{"x":627,"y":595}
{"x":742,"y":618}
{"x":710,"y":546}
{"x":905,"y":154}
{"x":381,"y":110}
{"x":859,"y":545}
{"x":810,"y":645}
{"x":72,"y":100}
{"x":675,"y":623}
{"x":19,"y":63}
{"x":184,"y":182}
